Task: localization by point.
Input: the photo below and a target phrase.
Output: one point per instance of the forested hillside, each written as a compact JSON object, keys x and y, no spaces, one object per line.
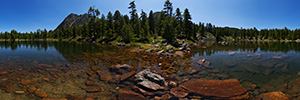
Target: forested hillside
{"x":169,"y":23}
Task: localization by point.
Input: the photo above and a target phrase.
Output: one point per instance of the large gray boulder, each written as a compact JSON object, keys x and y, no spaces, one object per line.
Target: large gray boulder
{"x":150,"y":80}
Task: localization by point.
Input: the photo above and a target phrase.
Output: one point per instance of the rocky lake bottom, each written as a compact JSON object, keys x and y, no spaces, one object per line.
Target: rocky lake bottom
{"x":87,"y":71}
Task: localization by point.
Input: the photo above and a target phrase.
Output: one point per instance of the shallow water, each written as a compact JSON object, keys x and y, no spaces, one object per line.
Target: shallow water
{"x":62,"y":69}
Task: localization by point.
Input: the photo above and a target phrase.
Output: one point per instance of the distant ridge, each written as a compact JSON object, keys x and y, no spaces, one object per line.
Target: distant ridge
{"x":73,"y":20}
{"x":78,"y":20}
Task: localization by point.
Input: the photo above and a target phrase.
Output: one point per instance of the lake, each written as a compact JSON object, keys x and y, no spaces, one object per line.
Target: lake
{"x":77,"y":70}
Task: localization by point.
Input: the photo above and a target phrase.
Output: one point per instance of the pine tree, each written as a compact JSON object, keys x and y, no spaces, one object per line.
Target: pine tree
{"x":168,"y":30}
{"x":110,"y":23}
{"x":161,"y":24}
{"x":117,"y":24}
{"x":187,"y":23}
{"x":132,"y":7}
{"x":168,"y":8}
{"x":178,"y":17}
{"x":145,"y":26}
{"x":151,"y":23}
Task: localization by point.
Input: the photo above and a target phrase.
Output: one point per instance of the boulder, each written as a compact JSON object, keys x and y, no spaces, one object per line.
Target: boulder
{"x":278,"y":95}
{"x":130,"y":95}
{"x":217,"y":89}
{"x":150,"y":80}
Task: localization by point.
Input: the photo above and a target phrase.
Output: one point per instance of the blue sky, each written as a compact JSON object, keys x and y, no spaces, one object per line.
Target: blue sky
{"x":30,"y":15}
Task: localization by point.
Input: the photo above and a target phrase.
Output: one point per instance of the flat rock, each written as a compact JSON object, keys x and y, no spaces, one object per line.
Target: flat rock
{"x":124,"y":66}
{"x":104,"y":75}
{"x":215,"y":88}
{"x":94,"y":89}
{"x":74,"y":97}
{"x":278,"y":95}
{"x":127,"y":75}
{"x":130,"y":95}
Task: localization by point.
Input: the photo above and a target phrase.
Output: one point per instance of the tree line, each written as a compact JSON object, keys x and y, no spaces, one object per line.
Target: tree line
{"x":144,"y":28}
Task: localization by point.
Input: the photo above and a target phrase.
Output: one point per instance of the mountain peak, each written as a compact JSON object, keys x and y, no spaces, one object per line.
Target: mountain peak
{"x":73,"y":20}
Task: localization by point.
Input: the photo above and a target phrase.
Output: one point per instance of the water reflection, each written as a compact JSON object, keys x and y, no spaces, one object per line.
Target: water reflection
{"x":276,"y":47}
{"x":269,"y":65}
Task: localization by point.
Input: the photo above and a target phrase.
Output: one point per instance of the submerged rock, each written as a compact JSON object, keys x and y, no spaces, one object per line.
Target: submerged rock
{"x":130,"y":95}
{"x":41,"y":93}
{"x":104,"y":75}
{"x":150,"y":80}
{"x":277,"y":57}
{"x":273,"y":96}
{"x":124,"y":66}
{"x":217,"y":89}
{"x":9,"y":88}
{"x":31,"y":89}
{"x":231,"y":53}
{"x":3,"y":73}
{"x":204,"y":63}
{"x":44,"y":66}
{"x":94,"y":89}
{"x":178,"y":92}
{"x":74,"y":97}
{"x":127,"y":75}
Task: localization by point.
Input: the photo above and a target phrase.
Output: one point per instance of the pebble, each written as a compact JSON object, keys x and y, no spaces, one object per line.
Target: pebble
{"x":19,"y":92}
